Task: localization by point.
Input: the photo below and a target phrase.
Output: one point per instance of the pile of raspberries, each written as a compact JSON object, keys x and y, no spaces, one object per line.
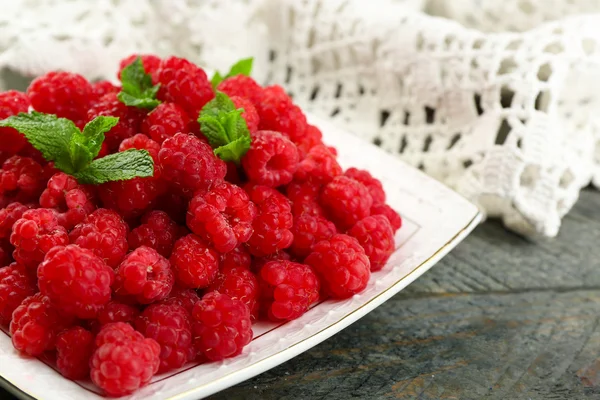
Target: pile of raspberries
{"x":127,"y":279}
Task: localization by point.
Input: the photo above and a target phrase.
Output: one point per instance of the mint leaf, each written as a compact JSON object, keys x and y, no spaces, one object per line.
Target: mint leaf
{"x":216,"y":79}
{"x":117,"y":167}
{"x":242,"y":67}
{"x":93,"y":132}
{"x":233,"y":151}
{"x":136,"y":86}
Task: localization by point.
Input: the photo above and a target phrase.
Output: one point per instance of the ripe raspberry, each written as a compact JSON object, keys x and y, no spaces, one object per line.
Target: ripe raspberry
{"x":123,"y":360}
{"x":16,"y":284}
{"x":150,"y":62}
{"x":271,"y":160}
{"x":65,"y":94}
{"x":10,"y":215}
{"x":287,"y":289}
{"x":278,"y":113}
{"x":346,"y":201}
{"x":389,"y":213}
{"x":142,"y":142}
{"x":101,"y":88}
{"x":312,"y":137}
{"x":72,"y":201}
{"x":238,"y":257}
{"x":222,"y":217}
{"x":103,"y":232}
{"x":114,"y":311}
{"x":249,"y":114}
{"x":130,"y":118}
{"x":375,"y":235}
{"x":12,"y":103}
{"x":166,"y":121}
{"x":35,"y":234}
{"x":157,"y":231}
{"x":195,"y":263}
{"x":221,"y":326}
{"x":273,"y":222}
{"x":309,"y":230}
{"x":304,"y":197}
{"x":259,"y":262}
{"x":189,"y":164}
{"x":319,"y":165}
{"x":35,"y":324}
{"x":372,"y":184}
{"x":241,"y":86}
{"x":144,"y":274}
{"x":22,"y":179}
{"x":169,"y":325}
{"x":74,"y":348}
{"x":238,"y":283}
{"x":131,"y":198}
{"x":342,"y":265}
{"x":185,"y":84}
{"x":186,"y":298}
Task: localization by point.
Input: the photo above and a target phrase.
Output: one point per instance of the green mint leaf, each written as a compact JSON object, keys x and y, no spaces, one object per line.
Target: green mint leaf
{"x":234,"y":151}
{"x":214,"y":130}
{"x":216,"y":79}
{"x":93,"y":133}
{"x":242,"y":67}
{"x":136,"y":86}
{"x":125,"y":165}
{"x":215,"y":108}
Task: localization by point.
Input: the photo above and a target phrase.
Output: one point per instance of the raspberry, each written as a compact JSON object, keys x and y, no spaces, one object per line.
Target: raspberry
{"x":241,"y":86}
{"x":319,"y":165}
{"x":157,"y":231}
{"x":238,"y":283}
{"x":35,"y":234}
{"x":249,"y":114}
{"x":15,"y":286}
{"x":123,"y":360}
{"x":304,"y":197}
{"x":271,"y":160}
{"x":183,"y":297}
{"x":74,"y":348}
{"x":12,"y":103}
{"x":189,"y":164}
{"x":194,"y":262}
{"x":103,"y":232}
{"x":166,"y":121}
{"x":131,"y":198}
{"x":35,"y":324}
{"x":150,"y":62}
{"x":221,"y":326}
{"x":101,"y":88}
{"x":114,"y":311}
{"x":287,"y":289}
{"x":169,"y":325}
{"x":144,"y":274}
{"x":309,"y":230}
{"x":346,"y":201}
{"x":312,"y":137}
{"x":72,"y":201}
{"x":130,"y":119}
{"x":10,"y":215}
{"x":222,"y":217}
{"x":22,"y":179}
{"x":390,"y":214}
{"x":185,"y":84}
{"x":238,"y":257}
{"x":141,"y":142}
{"x":278,"y":113}
{"x":273,"y":222}
{"x":376,"y":236}
{"x":65,"y":94}
{"x":342,"y":265}
{"x":259,"y":262}
{"x":373,"y":185}
{"x":75,"y":280}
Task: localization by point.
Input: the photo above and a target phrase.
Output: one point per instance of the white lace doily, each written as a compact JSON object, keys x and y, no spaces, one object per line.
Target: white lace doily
{"x":507,"y":119}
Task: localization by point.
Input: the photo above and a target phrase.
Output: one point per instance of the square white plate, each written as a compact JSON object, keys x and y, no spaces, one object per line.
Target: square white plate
{"x":435,"y":220}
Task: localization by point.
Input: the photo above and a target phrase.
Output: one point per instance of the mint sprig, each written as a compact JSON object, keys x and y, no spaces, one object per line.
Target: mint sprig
{"x":136,"y":87}
{"x":73,"y":151}
{"x":242,"y":67}
{"x":225,"y":128}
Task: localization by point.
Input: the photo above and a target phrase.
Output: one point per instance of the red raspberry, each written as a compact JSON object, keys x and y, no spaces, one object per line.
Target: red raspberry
{"x":142,"y":142}
{"x":150,"y":62}
{"x":238,"y":283}
{"x":241,"y":86}
{"x":309,"y":230}
{"x":287,"y":289}
{"x":101,"y":88}
{"x":259,"y":262}
{"x":278,"y":113}
{"x":15,"y":285}
{"x":195,"y":263}
{"x":123,"y":360}
{"x":35,"y":234}
{"x":114,"y":311}
{"x":130,"y":119}
{"x":389,"y":213}
{"x":6,"y":250}
{"x":12,"y":103}
{"x":312,"y":137}
{"x":144,"y":274}
{"x":222,"y":217}
{"x":10,"y":215}
{"x":342,"y":265}
{"x":105,"y":233}
{"x":271,"y":160}
{"x":65,"y":94}
{"x":104,"y":151}
{"x":319,"y":165}
{"x":375,"y":235}
{"x":183,"y":297}
{"x":169,"y":325}
{"x":373,"y":185}
{"x":22,"y":179}
{"x":238,"y":257}
{"x":72,"y":201}
{"x":35,"y":324}
{"x":249,"y":114}
{"x":273,"y":222}
{"x":185,"y":84}
{"x":166,"y":121}
{"x":74,"y":348}
{"x":346,"y":201}
{"x":304,"y":197}
{"x":221,"y":326}
{"x":131,"y":198}
{"x":157,"y":231}
{"x":189,"y":164}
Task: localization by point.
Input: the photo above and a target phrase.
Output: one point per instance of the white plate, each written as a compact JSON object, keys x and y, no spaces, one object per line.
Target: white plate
{"x":435,"y":220}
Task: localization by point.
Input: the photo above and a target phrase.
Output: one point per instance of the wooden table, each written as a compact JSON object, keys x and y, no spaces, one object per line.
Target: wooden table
{"x":501,"y":317}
